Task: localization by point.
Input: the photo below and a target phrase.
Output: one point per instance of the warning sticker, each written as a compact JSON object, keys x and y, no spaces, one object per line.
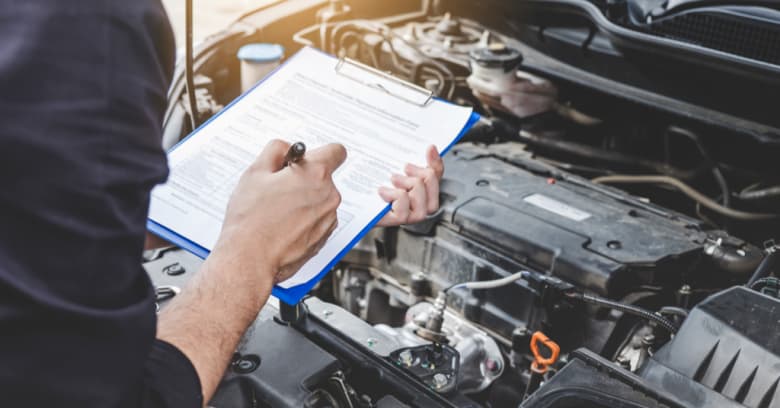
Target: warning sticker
{"x":557,"y":207}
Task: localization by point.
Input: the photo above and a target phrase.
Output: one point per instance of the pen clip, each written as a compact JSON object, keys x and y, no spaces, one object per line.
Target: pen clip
{"x":344,"y":63}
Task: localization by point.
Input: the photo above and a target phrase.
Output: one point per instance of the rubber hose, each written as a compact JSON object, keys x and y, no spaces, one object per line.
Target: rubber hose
{"x":764,"y":268}
{"x":630,"y":309}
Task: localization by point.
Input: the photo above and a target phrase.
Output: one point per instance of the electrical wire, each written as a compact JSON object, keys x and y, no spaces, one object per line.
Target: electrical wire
{"x":189,"y":75}
{"x":688,"y":191}
{"x":491,"y":284}
{"x":629,"y":309}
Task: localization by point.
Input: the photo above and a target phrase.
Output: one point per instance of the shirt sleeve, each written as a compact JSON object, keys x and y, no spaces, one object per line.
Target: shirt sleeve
{"x":82,"y":95}
{"x":170,"y":379}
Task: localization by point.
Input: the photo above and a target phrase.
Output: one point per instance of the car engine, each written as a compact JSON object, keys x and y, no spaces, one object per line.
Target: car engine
{"x":605,"y":236}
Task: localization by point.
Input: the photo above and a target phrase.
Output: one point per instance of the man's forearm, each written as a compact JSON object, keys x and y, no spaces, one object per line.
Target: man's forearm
{"x":207,"y":320}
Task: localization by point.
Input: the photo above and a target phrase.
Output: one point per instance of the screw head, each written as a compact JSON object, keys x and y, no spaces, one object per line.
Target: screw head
{"x":492,"y":366}
{"x":246,"y":364}
{"x":440,"y":380}
{"x":174,"y":269}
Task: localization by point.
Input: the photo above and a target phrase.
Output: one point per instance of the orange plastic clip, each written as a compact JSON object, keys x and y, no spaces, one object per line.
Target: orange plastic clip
{"x":540,"y":363}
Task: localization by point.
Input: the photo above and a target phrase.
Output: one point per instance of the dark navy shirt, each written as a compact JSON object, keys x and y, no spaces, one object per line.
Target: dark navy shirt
{"x":82,"y":93}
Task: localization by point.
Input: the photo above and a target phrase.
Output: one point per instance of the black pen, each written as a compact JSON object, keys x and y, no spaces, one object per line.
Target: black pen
{"x":295,"y":153}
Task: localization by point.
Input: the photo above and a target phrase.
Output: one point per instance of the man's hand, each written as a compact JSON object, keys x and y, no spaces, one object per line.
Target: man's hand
{"x":283,"y":216}
{"x":278,"y":217}
{"x":416,"y":194}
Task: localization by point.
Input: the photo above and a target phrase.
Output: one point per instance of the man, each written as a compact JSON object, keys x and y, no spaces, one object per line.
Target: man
{"x":82,"y":93}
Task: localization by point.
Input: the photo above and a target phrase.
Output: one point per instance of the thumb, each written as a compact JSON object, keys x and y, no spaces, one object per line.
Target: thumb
{"x":271,"y":159}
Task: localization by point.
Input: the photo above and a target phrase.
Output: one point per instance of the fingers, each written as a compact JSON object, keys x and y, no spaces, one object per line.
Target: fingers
{"x":271,"y":159}
{"x":331,"y":156}
{"x":416,"y":194}
{"x":431,"y":181}
{"x":434,"y":161}
{"x":399,"y":212}
{"x":418,"y":206}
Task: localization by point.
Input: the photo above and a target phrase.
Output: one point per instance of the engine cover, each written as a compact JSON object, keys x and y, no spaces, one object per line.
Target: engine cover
{"x":504,"y":211}
{"x":726,"y":354}
{"x":598,"y":239}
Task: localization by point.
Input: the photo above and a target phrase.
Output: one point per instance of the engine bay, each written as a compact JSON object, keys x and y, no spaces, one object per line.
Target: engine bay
{"x":602,"y":241}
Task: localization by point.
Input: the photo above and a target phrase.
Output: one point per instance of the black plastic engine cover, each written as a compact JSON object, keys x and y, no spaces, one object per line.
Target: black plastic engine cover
{"x":726,"y":354}
{"x":503,"y":211}
{"x":601,"y":242}
{"x":590,"y":381}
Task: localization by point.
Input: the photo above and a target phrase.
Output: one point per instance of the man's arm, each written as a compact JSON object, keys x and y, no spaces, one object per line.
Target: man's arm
{"x":277,"y":218}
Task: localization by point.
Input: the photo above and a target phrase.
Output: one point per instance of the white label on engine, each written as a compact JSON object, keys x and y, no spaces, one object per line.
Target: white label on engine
{"x":557,"y":207}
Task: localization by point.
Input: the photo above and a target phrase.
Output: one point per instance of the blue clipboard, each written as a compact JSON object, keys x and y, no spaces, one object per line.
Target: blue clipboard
{"x":294,"y":294}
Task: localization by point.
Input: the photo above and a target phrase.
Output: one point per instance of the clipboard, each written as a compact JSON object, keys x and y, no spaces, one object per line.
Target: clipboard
{"x":360,"y":73}
{"x":342,"y":69}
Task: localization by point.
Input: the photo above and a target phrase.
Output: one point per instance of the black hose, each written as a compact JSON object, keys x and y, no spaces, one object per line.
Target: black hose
{"x":765,"y":267}
{"x":629,"y":309}
{"x":674,"y":311}
{"x":606,"y":156}
{"x":725,"y":191}
{"x":767,"y":286}
{"x":189,"y":75}
{"x":720,"y":180}
{"x":771,"y":192}
{"x":690,"y":192}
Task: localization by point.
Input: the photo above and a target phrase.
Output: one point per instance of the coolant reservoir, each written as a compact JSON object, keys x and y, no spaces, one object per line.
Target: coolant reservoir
{"x":496,"y":81}
{"x":257,"y":61}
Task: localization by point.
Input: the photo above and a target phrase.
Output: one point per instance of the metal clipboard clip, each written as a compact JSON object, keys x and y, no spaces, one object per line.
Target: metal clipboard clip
{"x":402,"y":90}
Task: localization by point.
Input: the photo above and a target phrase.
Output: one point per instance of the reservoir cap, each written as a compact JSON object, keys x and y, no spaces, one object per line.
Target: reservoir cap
{"x":261,"y":52}
{"x":497,"y":55}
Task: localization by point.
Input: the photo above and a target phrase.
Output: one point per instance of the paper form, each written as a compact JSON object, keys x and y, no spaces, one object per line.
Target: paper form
{"x":308,"y":101}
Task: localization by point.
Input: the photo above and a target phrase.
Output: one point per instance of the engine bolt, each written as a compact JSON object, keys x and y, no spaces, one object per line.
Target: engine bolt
{"x":246,"y":364}
{"x":491,"y":365}
{"x":440,"y":380}
{"x":174,"y":269}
